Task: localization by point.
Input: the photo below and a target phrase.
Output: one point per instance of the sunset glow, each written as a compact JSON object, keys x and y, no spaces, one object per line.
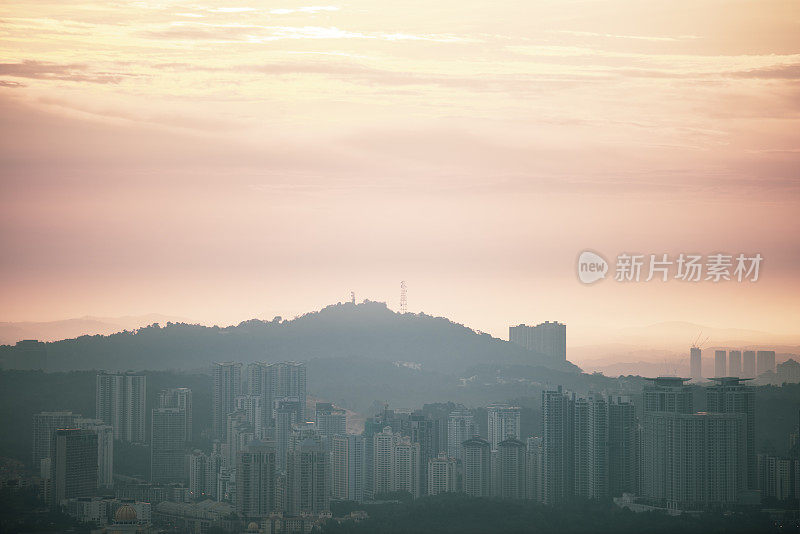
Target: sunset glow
{"x":221,"y":161}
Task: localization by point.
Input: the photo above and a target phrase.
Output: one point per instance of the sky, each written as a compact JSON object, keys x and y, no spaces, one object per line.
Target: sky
{"x":220,"y":161}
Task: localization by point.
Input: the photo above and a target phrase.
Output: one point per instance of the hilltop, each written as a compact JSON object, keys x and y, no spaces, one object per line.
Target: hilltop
{"x":369,"y":331}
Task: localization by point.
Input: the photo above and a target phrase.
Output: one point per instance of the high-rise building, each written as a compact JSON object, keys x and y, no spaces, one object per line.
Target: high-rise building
{"x":256,"y":480}
{"x":749,"y":364}
{"x":590,"y":431}
{"x":348,"y":467}
{"x":168,"y":444}
{"x":396,"y":464}
{"x":477,"y":462}
{"x":765,"y":361}
{"x":44,"y":424}
{"x":214,"y":466}
{"x":330,"y":421}
{"x":512,"y":463}
{"x":788,"y":372}
{"x":274,"y":381}
{"x":308,"y":472}
{"x":667,"y":394}
{"x":180,"y":398}
{"x":287,"y":414}
{"x":26,"y":354}
{"x":778,"y":478}
{"x":240,"y":433}
{"x":73,"y":466}
{"x":422,"y":431}
{"x":372,"y":426}
{"x":252,"y":407}
{"x":407,"y":467}
{"x":105,"y":449}
{"x":519,"y":335}
{"x":442,"y":475}
{"x":198,"y":463}
{"x":383,"y":460}
{"x":460,"y":428}
{"x":504,"y":422}
{"x":696,"y":363}
{"x":622,"y":446}
{"x":735,"y":363}
{"x":120,"y":402}
{"x":548,"y":338}
{"x":693,"y":461}
{"x":720,"y":369}
{"x":534,"y":469}
{"x":227,"y":386}
{"x":732,"y":395}
{"x":557,"y":445}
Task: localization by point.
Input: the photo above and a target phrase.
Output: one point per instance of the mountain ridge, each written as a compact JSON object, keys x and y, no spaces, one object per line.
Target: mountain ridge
{"x":368,"y":330}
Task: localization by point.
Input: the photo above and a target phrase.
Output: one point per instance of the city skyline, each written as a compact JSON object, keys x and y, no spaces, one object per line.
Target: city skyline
{"x":643,"y":442}
{"x":348,"y":267}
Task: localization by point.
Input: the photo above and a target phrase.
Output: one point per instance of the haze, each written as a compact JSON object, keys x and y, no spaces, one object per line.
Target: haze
{"x":221,"y":161}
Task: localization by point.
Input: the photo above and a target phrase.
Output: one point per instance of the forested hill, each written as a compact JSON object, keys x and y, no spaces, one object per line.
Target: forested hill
{"x":366,"y":331}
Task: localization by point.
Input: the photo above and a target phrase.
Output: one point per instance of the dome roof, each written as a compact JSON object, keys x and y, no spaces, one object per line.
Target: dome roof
{"x":252,"y":527}
{"x":125,"y":514}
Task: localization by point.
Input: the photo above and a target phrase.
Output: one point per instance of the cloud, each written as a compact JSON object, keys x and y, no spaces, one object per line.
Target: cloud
{"x":518,"y":83}
{"x":259,"y":34}
{"x":306,"y":9}
{"x":632,"y":37}
{"x":52,"y":71}
{"x":777,"y":72}
{"x":8,"y":83}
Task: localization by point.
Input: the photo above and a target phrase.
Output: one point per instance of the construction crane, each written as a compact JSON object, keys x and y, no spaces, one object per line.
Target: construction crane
{"x":696,"y":345}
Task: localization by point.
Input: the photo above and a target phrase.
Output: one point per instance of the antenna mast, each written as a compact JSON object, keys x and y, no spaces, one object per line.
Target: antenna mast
{"x":403,"y":297}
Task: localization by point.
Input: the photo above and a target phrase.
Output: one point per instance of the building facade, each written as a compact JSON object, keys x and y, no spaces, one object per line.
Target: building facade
{"x":733,"y":395}
{"x":693,"y":461}
{"x":120,"y":402}
{"x":348,"y":461}
{"x":308,"y":473}
{"x":168,"y":445}
{"x":548,"y":338}
{"x":460,"y":428}
{"x":105,"y":449}
{"x":696,"y":364}
{"x":73,"y":465}
{"x":330,"y":421}
{"x":503,"y":423}
{"x":256,"y":480}
{"x":765,"y":361}
{"x":512,"y":463}
{"x":180,"y":398}
{"x":227,"y":386}
{"x":442,"y":475}
{"x":44,"y":424}
{"x":720,"y":364}
{"x":477,"y":462}
{"x":735,"y":363}
{"x":557,"y":445}
{"x":590,"y":431}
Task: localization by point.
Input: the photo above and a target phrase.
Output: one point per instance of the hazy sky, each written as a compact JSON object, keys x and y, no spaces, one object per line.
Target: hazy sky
{"x":224,"y":160}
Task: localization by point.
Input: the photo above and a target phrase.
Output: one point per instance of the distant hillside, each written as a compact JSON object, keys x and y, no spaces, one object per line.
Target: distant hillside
{"x":367,"y":331}
{"x":12,"y":332}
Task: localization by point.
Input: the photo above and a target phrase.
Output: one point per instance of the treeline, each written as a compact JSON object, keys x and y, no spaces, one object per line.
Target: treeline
{"x":21,"y":510}
{"x":460,"y":514}
{"x":365,"y":331}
